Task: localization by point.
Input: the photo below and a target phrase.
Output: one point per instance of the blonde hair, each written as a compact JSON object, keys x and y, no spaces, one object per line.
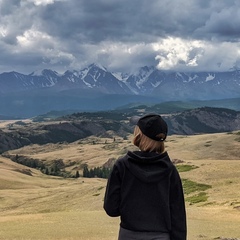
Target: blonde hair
{"x":146,"y":144}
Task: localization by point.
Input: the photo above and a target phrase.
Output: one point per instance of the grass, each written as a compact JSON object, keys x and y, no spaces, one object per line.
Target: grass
{"x":72,"y":225}
{"x":191,"y":186}
{"x":40,"y":207}
{"x":185,"y":167}
{"x":198,"y":198}
{"x":110,"y":146}
{"x":237,"y":139}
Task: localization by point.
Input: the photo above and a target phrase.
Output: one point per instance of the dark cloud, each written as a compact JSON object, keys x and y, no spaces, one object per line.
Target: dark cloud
{"x":9,"y":7}
{"x":127,"y":21}
{"x":224,"y":24}
{"x":177,"y":34}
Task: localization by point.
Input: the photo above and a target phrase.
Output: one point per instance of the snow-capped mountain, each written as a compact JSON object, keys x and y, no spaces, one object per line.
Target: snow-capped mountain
{"x":147,"y":81}
{"x":96,"y":88}
{"x":93,"y":77}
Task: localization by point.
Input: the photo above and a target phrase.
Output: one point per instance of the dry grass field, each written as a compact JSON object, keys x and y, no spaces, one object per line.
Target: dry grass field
{"x":35,"y":206}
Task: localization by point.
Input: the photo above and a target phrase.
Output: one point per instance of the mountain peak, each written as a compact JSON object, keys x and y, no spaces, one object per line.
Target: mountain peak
{"x":43,"y":72}
{"x":97,"y":65}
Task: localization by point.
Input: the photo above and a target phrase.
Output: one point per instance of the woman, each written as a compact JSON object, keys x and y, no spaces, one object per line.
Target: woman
{"x":145,"y":189}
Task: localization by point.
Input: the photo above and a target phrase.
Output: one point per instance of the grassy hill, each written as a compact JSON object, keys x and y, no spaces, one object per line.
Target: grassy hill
{"x":78,"y":126}
{"x":36,"y":206}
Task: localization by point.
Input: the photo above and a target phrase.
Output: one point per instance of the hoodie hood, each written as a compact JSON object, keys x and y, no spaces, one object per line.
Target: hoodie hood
{"x":149,"y":167}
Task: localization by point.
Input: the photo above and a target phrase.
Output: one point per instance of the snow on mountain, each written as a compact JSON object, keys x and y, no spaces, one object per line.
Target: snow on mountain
{"x":97,"y":65}
{"x":191,"y":78}
{"x":210,"y":77}
{"x":44,"y":72}
{"x":143,"y":75}
{"x":37,"y":73}
{"x":147,"y":81}
{"x":121,"y":76}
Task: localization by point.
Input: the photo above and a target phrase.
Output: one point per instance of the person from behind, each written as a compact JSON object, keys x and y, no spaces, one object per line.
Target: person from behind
{"x":145,"y":189}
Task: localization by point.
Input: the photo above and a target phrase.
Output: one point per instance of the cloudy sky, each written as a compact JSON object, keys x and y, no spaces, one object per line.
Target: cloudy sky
{"x":122,"y":35}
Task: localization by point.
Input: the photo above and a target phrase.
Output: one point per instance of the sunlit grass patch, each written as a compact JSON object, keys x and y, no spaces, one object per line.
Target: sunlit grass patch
{"x":190,"y":186}
{"x":185,"y":167}
{"x":200,"y":197}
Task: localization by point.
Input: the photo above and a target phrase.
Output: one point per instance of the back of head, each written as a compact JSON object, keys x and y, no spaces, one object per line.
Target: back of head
{"x":150,"y":133}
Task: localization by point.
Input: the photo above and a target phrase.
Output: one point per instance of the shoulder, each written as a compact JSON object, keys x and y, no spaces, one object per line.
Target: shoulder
{"x":121,"y":161}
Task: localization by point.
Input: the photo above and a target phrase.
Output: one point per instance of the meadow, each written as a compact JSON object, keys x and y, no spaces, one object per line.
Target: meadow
{"x":36,"y":206}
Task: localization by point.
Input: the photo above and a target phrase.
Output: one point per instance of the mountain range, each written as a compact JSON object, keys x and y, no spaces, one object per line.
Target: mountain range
{"x":96,"y":88}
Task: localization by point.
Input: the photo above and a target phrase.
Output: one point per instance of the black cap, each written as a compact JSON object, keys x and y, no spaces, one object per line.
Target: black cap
{"x":152,"y":125}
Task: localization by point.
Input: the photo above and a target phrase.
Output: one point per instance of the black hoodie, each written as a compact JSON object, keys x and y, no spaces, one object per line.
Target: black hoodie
{"x":145,"y":190}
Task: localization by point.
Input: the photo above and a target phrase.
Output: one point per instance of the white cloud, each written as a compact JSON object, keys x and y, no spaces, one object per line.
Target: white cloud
{"x":220,"y":56}
{"x":196,"y":55}
{"x":31,"y":37}
{"x":42,"y":2}
{"x":178,"y":53}
{"x":3,"y":31}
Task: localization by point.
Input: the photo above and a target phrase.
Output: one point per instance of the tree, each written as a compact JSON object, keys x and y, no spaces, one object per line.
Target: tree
{"x":77,"y":174}
{"x":86,"y":172}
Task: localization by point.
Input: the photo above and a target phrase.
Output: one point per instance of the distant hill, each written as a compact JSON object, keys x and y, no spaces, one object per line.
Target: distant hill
{"x":161,"y":108}
{"x":204,"y":120}
{"x":81,"y":125}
